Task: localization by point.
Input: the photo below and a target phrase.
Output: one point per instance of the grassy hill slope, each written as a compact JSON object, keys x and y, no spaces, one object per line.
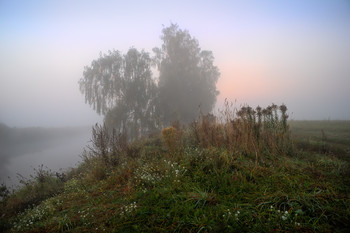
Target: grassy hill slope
{"x":242,"y":175}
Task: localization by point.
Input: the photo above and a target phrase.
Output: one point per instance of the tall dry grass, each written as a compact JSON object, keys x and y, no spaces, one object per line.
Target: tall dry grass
{"x":173,"y":138}
{"x":258,"y":132}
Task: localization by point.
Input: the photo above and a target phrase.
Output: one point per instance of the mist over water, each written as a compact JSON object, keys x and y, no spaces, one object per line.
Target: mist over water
{"x":60,"y":150}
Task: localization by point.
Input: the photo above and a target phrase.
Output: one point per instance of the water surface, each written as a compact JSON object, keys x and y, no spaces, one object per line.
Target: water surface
{"x":23,"y":150}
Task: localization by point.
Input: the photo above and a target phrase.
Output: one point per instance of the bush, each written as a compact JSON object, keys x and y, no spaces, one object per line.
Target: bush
{"x":39,"y":187}
{"x":173,"y":139}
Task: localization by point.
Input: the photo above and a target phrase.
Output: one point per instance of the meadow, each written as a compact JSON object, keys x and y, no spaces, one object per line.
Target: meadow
{"x":249,"y":170}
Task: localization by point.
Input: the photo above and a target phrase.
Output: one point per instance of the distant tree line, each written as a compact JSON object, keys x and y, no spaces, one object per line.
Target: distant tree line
{"x":123,"y":89}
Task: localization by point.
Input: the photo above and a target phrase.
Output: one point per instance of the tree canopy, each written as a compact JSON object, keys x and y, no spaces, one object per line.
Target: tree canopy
{"x":187,"y":76}
{"x":121,"y":87}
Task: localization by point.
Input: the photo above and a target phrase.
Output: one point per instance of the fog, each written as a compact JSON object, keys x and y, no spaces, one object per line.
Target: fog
{"x":25,"y":149}
{"x":295,"y":52}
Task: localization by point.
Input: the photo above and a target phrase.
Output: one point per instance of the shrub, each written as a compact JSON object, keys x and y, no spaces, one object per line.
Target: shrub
{"x":41,"y":185}
{"x":107,"y":144}
{"x":173,"y":139}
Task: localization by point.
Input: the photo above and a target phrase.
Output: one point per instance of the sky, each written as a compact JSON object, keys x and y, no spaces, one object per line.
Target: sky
{"x":292,"y":52}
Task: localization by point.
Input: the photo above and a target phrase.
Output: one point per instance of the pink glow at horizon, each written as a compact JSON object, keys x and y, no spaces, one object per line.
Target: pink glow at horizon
{"x":292,"y":52}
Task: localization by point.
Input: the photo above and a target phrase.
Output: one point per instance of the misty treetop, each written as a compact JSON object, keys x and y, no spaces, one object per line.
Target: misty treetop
{"x":107,"y":81}
{"x":187,"y":76}
{"x":123,"y":89}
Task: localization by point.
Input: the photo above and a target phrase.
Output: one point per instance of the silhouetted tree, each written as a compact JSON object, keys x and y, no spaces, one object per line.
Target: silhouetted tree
{"x":187,"y":76}
{"x":121,"y":88}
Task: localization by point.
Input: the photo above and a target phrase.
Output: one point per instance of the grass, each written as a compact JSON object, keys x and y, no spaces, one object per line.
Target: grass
{"x":323,"y":136}
{"x":203,"y":178}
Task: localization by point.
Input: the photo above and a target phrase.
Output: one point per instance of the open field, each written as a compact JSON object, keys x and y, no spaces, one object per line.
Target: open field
{"x":329,"y":136}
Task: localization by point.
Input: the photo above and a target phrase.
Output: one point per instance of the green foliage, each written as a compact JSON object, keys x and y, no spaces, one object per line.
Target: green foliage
{"x":4,"y":192}
{"x":42,"y":185}
{"x":32,"y":217}
{"x":205,"y":187}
